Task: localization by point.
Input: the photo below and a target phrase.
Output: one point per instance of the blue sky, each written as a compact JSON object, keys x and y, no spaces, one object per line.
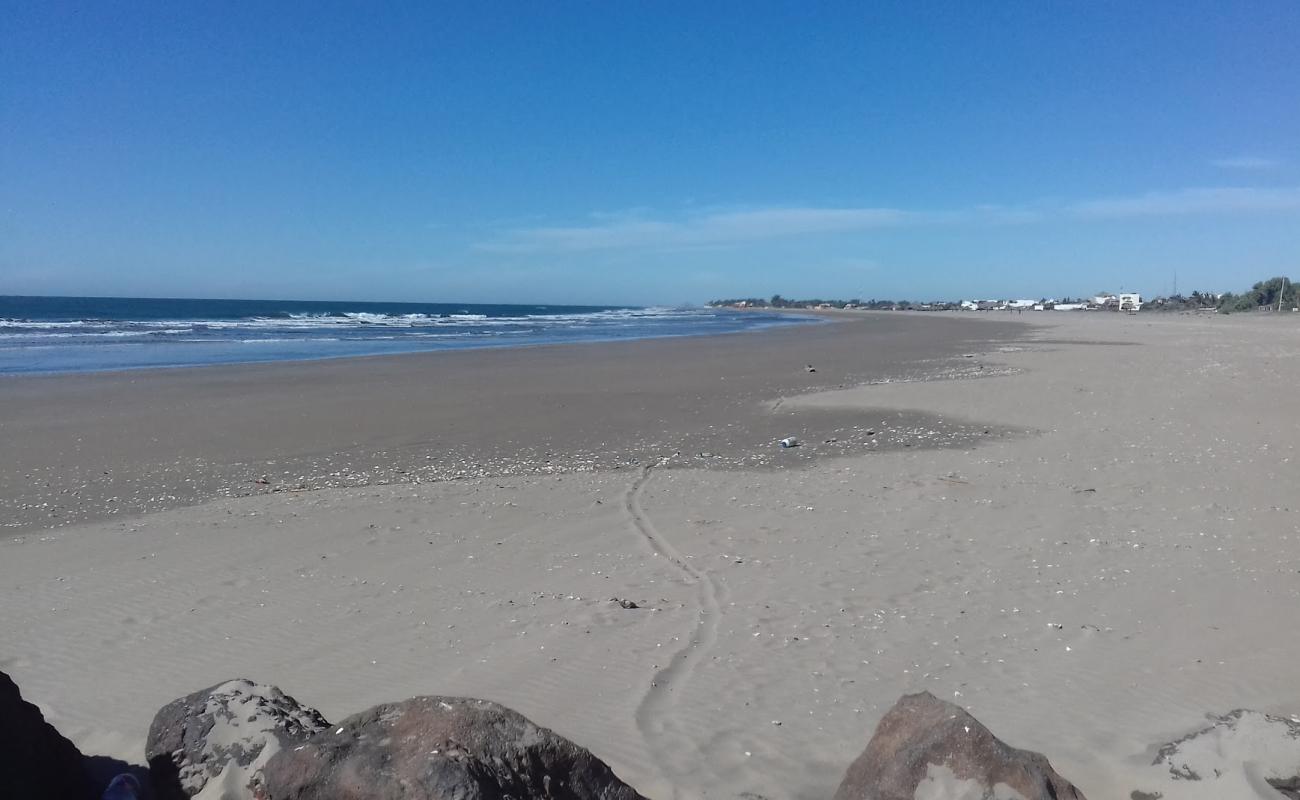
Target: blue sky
{"x":647,"y":152}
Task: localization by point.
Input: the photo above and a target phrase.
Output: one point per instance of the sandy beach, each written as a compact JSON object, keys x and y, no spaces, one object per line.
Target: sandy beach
{"x":1084,"y":528}
{"x":90,"y":446}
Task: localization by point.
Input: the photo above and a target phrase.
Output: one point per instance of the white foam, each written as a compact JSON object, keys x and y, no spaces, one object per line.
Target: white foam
{"x":348,"y":319}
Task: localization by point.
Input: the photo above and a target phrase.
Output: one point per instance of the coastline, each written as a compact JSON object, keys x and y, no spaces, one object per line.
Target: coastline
{"x":1121,"y":562}
{"x":94,"y":445}
{"x":69,"y":335}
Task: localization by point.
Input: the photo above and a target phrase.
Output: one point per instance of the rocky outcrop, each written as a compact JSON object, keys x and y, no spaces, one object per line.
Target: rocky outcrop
{"x":35,"y":759}
{"x":439,"y":748}
{"x":1240,"y":754}
{"x":224,"y":735}
{"x":925,"y":747}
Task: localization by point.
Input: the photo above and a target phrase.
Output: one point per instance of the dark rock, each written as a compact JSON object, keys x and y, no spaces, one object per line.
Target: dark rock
{"x":440,"y":748}
{"x":1288,"y":787}
{"x":36,"y":761}
{"x":224,"y":734}
{"x":924,"y":740}
{"x":1238,"y":753}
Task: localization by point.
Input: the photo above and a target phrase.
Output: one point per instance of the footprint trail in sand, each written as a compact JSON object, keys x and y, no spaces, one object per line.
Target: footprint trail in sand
{"x":655,"y":715}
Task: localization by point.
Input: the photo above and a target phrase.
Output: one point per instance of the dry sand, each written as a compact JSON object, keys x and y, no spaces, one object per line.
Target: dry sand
{"x":1117,"y":557}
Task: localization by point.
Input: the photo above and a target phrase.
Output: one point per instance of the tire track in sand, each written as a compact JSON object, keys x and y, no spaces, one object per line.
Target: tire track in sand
{"x":673,"y":749}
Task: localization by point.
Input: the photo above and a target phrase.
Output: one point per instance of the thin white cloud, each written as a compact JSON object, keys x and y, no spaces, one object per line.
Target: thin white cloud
{"x":612,"y":232}
{"x":1211,"y":200}
{"x":1245,"y":162}
{"x":637,"y":230}
{"x":724,"y":228}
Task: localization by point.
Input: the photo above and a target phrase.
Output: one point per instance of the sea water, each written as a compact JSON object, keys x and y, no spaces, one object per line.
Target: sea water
{"x":81,"y":334}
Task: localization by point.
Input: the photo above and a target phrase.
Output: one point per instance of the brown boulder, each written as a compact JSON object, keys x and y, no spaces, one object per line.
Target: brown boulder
{"x":440,"y":748}
{"x":925,"y":747}
{"x":35,"y":759}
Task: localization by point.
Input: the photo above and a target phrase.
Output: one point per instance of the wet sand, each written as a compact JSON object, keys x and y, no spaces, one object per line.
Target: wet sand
{"x":84,"y":447}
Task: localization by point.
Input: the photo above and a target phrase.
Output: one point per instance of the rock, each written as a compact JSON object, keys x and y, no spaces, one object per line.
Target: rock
{"x":1288,"y":787}
{"x":36,"y":761}
{"x":925,"y":747}
{"x":1241,"y":754}
{"x":440,"y":748}
{"x":223,"y":736}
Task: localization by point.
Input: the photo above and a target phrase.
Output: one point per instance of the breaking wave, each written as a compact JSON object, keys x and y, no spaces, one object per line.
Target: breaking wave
{"x":47,"y":334}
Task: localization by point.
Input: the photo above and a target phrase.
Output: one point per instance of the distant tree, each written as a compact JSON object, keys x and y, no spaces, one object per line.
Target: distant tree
{"x":1272,"y":293}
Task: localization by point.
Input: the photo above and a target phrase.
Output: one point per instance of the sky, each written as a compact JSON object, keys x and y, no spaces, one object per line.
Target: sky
{"x":647,"y":152}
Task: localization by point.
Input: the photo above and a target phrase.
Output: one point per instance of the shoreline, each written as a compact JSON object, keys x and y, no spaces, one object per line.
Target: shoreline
{"x":95,"y":445}
{"x":347,"y":340}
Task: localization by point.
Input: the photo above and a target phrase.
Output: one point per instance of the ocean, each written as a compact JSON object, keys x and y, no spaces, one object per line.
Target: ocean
{"x":86,"y":334}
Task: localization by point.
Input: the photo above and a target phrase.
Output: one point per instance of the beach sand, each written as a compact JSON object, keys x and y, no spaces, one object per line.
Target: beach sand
{"x":91,"y":446}
{"x":1087,"y":533}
